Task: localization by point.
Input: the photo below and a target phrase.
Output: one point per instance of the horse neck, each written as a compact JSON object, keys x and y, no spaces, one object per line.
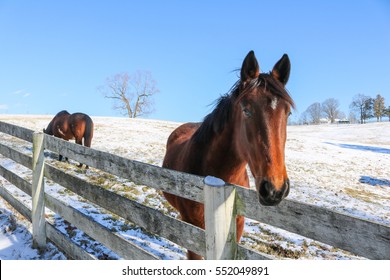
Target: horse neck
{"x":225,"y":159}
{"x":49,"y":128}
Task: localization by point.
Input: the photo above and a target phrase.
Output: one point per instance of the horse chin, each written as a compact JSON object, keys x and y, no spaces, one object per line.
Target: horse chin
{"x":265,"y":202}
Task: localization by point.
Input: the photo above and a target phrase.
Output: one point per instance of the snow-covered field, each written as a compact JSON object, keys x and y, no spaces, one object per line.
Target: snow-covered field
{"x":341,"y":167}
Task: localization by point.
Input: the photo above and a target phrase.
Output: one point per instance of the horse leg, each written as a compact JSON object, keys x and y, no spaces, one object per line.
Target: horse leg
{"x":196,"y":217}
{"x":60,"y":157}
{"x":239,"y":227}
{"x":192,"y":256}
{"x":79,"y":140}
{"x":86,"y":166}
{"x":191,"y":212}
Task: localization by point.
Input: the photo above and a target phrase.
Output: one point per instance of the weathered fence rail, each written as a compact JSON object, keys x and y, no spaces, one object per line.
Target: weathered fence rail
{"x":359,"y":236}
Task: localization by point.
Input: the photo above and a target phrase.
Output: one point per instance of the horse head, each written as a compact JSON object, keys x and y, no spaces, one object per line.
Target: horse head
{"x":263,"y":109}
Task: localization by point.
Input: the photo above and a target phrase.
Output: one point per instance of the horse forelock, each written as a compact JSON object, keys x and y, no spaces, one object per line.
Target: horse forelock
{"x":269,"y":85}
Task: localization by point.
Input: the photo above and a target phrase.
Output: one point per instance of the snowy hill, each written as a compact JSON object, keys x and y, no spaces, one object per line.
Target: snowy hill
{"x":340,"y":167}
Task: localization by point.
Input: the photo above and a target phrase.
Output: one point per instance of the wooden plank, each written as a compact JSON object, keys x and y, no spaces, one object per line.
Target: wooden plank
{"x":16,"y":156}
{"x":38,"y":193}
{"x":244,"y":253}
{"x":16,"y":131}
{"x":15,"y":203}
{"x":111,"y":240}
{"x":66,"y":245}
{"x":220,"y":220}
{"x":178,"y":183}
{"x":150,"y":219}
{"x":17,"y":181}
{"x":353,"y":234}
{"x":59,"y":239}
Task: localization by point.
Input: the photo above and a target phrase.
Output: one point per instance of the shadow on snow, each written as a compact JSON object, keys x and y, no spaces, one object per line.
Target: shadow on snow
{"x":361,"y":148}
{"x":374,"y":181}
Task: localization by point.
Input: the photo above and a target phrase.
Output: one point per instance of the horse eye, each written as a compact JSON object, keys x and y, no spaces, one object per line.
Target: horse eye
{"x":247,"y":112}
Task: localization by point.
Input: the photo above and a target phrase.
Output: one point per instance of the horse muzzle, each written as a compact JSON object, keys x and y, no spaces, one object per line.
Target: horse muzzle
{"x":269,"y":195}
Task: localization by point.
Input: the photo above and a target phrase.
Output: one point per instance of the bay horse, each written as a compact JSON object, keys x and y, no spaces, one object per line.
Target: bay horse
{"x":248,"y":126}
{"x":71,"y":126}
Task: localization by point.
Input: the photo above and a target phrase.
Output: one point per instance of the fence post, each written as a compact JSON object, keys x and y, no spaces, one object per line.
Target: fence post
{"x":38,"y":193}
{"x":220,"y":219}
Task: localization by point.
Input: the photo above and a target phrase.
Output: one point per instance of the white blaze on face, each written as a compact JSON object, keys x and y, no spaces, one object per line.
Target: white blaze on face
{"x":274,"y":103}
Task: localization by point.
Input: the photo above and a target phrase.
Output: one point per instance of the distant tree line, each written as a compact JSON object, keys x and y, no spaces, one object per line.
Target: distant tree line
{"x":367,"y":107}
{"x":362,"y":108}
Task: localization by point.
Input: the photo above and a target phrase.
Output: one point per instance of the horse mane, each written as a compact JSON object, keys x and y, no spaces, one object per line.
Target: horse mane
{"x":215,"y":122}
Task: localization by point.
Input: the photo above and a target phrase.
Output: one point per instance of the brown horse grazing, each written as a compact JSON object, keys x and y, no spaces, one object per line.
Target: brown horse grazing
{"x":71,"y":126}
{"x":247,"y":127}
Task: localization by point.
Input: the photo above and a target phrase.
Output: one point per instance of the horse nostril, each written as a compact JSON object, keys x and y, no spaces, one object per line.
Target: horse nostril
{"x":287,"y":188}
{"x":266,"y":189}
{"x":269,"y":195}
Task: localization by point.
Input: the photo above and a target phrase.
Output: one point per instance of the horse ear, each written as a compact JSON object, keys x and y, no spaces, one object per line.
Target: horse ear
{"x":250,"y":67}
{"x":281,"y":70}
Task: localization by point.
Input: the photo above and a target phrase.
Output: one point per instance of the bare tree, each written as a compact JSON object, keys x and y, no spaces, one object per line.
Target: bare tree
{"x":362,"y":104}
{"x":352,"y":117}
{"x":132,"y":95}
{"x":330,"y":107}
{"x":314,"y":112}
{"x":303,"y":118}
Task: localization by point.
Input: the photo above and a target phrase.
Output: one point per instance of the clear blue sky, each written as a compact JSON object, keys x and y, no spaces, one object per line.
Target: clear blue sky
{"x":55,"y":54}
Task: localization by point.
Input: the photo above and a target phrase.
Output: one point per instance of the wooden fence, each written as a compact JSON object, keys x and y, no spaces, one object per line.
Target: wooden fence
{"x":222,"y":202}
